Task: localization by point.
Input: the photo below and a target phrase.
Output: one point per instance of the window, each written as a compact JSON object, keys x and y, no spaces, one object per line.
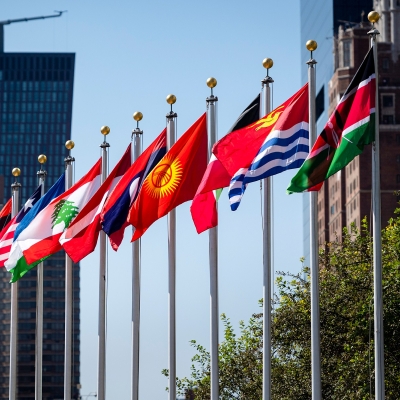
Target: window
{"x":398,"y":178}
{"x":333,"y":207}
{"x":387,"y":101}
{"x":346,"y":53}
{"x":388,"y":119}
{"x":385,"y":63}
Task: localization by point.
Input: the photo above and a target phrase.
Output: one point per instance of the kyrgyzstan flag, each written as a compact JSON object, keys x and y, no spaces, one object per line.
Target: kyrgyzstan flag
{"x":80,"y":239}
{"x":174,"y":179}
{"x":41,"y":237}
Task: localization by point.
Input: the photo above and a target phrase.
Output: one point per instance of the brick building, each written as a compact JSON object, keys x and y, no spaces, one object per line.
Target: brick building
{"x":346,"y":197}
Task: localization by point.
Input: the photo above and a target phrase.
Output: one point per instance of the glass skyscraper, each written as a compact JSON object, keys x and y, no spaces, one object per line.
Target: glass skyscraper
{"x":320,"y":20}
{"x":36,"y":92}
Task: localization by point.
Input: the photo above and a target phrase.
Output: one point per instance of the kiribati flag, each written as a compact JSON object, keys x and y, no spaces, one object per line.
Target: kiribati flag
{"x":273,"y":144}
{"x":115,"y":211}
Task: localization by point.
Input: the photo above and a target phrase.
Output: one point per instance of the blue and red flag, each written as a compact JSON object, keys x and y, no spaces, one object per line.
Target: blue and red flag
{"x":116,"y":208}
{"x":273,"y":144}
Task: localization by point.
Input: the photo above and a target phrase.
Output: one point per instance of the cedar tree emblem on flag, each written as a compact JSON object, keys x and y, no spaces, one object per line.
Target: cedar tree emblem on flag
{"x":64,"y":211}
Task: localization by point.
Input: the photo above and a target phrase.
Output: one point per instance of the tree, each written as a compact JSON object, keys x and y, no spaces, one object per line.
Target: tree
{"x":347,"y":330}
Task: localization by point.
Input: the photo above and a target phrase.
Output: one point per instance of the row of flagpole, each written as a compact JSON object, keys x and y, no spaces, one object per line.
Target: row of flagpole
{"x":213,"y":264}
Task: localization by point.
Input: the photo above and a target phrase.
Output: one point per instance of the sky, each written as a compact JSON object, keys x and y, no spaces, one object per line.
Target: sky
{"x":129,"y":57}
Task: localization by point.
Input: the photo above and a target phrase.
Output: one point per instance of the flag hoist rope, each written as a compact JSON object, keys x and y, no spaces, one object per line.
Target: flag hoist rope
{"x":373,"y":17}
{"x":267,"y":249}
{"x":137,"y":136}
{"x":68,"y":289}
{"x":101,"y":376}
{"x":39,"y":301}
{"x":16,"y":189}
{"x":314,"y":268}
{"x":171,"y":137}
{"x":213,"y":252}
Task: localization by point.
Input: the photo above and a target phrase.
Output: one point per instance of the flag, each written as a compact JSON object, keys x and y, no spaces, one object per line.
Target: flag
{"x":273,"y":144}
{"x":80,"y":238}
{"x":5,"y":217}
{"x":173,"y":180}
{"x":7,"y":239}
{"x":41,"y":238}
{"x":204,"y":205}
{"x":16,"y":263}
{"x":348,"y":130}
{"x":116,"y":208}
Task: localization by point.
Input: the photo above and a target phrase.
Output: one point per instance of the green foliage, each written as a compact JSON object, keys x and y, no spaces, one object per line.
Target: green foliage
{"x":64,"y":211}
{"x":347,"y":330}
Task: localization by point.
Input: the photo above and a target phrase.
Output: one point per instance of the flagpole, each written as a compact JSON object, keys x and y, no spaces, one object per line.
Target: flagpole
{"x":373,"y":17}
{"x":171,"y":137}
{"x":213,"y":252}
{"x":68,"y":289}
{"x":267,"y":249}
{"x":314,"y":268}
{"x":15,"y":188}
{"x":39,"y":301}
{"x":137,"y":136}
{"x":101,"y":373}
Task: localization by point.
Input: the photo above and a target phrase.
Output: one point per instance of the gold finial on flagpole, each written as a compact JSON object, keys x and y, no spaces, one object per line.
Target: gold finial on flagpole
{"x":16,"y":172}
{"x":137,"y":116}
{"x":211,"y":83}
{"x":105,"y":130}
{"x":171,"y":99}
{"x":373,"y":17}
{"x":42,"y":159}
{"x":311,"y":45}
{"x":69,"y":144}
{"x":268,"y":63}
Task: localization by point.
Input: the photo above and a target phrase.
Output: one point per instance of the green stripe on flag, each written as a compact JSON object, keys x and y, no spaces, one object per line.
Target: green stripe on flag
{"x":22,"y":268}
{"x":218,"y":193}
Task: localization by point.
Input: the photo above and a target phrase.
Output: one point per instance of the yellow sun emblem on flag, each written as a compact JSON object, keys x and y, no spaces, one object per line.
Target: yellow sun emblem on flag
{"x":269,"y":119}
{"x":164,"y":178}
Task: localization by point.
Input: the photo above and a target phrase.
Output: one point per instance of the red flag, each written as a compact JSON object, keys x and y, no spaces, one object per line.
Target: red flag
{"x":80,"y":239}
{"x":173,"y":180}
{"x":5,"y":217}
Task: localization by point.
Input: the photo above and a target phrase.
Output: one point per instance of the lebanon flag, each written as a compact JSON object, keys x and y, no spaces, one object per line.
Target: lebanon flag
{"x":41,"y":238}
{"x":80,"y":238}
{"x":116,"y":208}
{"x":204,"y":205}
{"x":348,"y":130}
{"x":174,"y":179}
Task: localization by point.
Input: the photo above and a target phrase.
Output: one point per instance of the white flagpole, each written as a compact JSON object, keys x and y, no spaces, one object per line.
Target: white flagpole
{"x":68,"y":289}
{"x":373,"y":17}
{"x":137,"y":135}
{"x":15,"y":187}
{"x":213,"y":252}
{"x":101,"y":373}
{"x":171,"y":137}
{"x":267,"y":248}
{"x":314,"y":268}
{"x":39,"y":301}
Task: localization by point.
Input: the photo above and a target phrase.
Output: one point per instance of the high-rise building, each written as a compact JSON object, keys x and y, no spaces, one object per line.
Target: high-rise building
{"x":320,"y":21}
{"x":346,"y":197}
{"x":36,"y":108}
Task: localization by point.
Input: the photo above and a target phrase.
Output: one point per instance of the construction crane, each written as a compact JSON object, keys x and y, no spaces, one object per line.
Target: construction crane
{"x":11,"y":21}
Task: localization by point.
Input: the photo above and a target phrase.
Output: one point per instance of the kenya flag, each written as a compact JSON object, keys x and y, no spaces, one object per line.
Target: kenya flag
{"x":348,"y":130}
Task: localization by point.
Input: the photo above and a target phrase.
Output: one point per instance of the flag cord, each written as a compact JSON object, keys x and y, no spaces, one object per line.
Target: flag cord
{"x":106,"y":294}
{"x":369,"y":314}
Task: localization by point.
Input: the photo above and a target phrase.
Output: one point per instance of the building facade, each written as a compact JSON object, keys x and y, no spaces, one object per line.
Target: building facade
{"x":320,"y":21}
{"x":36,"y":91}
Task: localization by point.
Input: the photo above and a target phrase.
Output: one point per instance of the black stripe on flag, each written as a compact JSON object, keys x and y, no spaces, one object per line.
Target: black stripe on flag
{"x":249,"y":115}
{"x":367,"y":68}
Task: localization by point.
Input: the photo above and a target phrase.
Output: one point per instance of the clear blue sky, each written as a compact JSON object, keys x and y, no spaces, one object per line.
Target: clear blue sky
{"x":129,"y":56}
